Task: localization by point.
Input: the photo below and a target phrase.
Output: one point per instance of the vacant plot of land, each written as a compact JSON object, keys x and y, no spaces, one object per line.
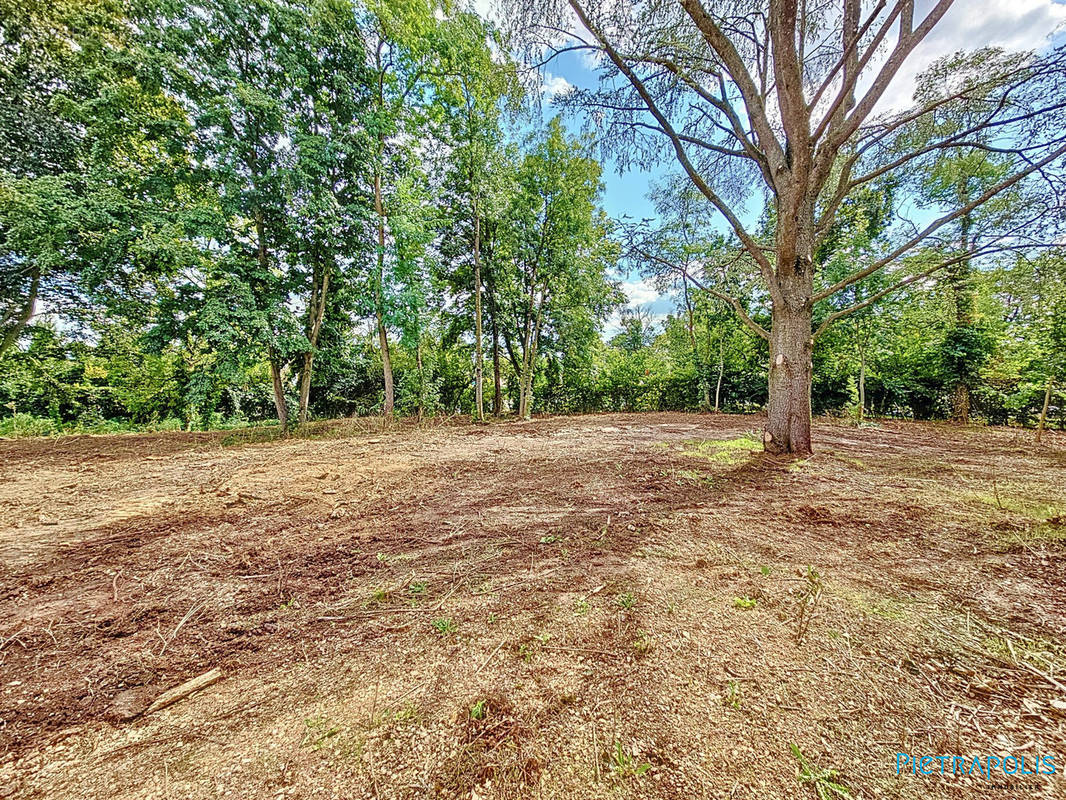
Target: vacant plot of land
{"x":589,"y":607}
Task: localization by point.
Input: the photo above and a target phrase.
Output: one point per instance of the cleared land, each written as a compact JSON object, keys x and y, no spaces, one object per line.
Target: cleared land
{"x":583,"y":607}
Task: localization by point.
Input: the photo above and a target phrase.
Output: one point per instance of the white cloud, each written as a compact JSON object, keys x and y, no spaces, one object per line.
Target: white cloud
{"x":639,"y":291}
{"x":486,"y":9}
{"x":612,"y":326}
{"x":591,"y":60}
{"x":971,"y":24}
{"x":553,"y":86}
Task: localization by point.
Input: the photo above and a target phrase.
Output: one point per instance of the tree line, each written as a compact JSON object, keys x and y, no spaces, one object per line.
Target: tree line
{"x":245,"y":185}
{"x":216,"y":212}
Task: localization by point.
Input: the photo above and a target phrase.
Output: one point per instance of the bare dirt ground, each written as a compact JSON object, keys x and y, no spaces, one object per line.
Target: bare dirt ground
{"x":587,"y":607}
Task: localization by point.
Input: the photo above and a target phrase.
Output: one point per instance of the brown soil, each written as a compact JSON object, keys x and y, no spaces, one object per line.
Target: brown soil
{"x":582,"y":607}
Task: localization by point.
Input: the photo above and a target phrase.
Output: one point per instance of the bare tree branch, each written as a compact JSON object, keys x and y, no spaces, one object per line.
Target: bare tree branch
{"x":746,"y":239}
{"x":922,"y":235}
{"x":753,"y":99}
{"x":735,"y":304}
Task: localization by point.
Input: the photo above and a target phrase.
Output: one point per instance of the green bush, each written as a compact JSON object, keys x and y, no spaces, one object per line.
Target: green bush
{"x":28,"y":425}
{"x":168,"y":424}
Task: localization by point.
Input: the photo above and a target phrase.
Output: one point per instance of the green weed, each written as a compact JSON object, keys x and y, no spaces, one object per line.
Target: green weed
{"x":407,"y":713}
{"x":318,"y":733}
{"x":826,"y":782}
{"x":733,"y":695}
{"x":723,"y":451}
{"x":444,"y":627}
{"x":624,"y":765}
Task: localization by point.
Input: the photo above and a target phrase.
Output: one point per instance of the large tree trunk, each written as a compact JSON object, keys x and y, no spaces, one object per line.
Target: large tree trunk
{"x":316,"y":312}
{"x":479,"y":358}
{"x":279,"y":390}
{"x":788,"y":424}
{"x":1043,"y":412}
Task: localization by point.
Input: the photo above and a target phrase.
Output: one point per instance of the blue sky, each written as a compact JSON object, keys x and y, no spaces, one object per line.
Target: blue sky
{"x":624,"y":194}
{"x":968,"y":25}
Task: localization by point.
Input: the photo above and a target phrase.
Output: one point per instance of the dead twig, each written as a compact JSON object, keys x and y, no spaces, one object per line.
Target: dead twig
{"x":491,"y":655}
{"x":188,"y":615}
{"x":565,"y":649}
{"x":454,"y":589}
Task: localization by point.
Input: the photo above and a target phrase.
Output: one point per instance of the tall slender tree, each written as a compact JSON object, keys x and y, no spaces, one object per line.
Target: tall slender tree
{"x":233,"y":68}
{"x":403,"y":61}
{"x":329,"y":205}
{"x":558,"y":246}
{"x":477,"y":87}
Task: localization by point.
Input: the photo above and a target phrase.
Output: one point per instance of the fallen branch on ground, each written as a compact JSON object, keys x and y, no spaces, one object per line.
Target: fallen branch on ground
{"x":182,"y":691}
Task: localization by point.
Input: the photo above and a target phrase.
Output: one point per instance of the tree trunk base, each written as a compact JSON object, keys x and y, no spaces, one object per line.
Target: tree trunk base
{"x":788,"y":423}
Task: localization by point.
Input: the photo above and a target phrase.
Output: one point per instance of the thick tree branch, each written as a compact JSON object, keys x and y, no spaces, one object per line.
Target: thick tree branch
{"x":853,"y":67}
{"x":850,"y":53}
{"x":720,"y":102}
{"x":936,"y":225}
{"x":746,"y":239}
{"x":869,"y":301}
{"x":735,"y":304}
{"x":753,"y":100}
{"x":905,"y":44}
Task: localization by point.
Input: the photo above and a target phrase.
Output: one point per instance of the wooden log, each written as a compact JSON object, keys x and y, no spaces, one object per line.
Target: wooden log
{"x":180,"y":692}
